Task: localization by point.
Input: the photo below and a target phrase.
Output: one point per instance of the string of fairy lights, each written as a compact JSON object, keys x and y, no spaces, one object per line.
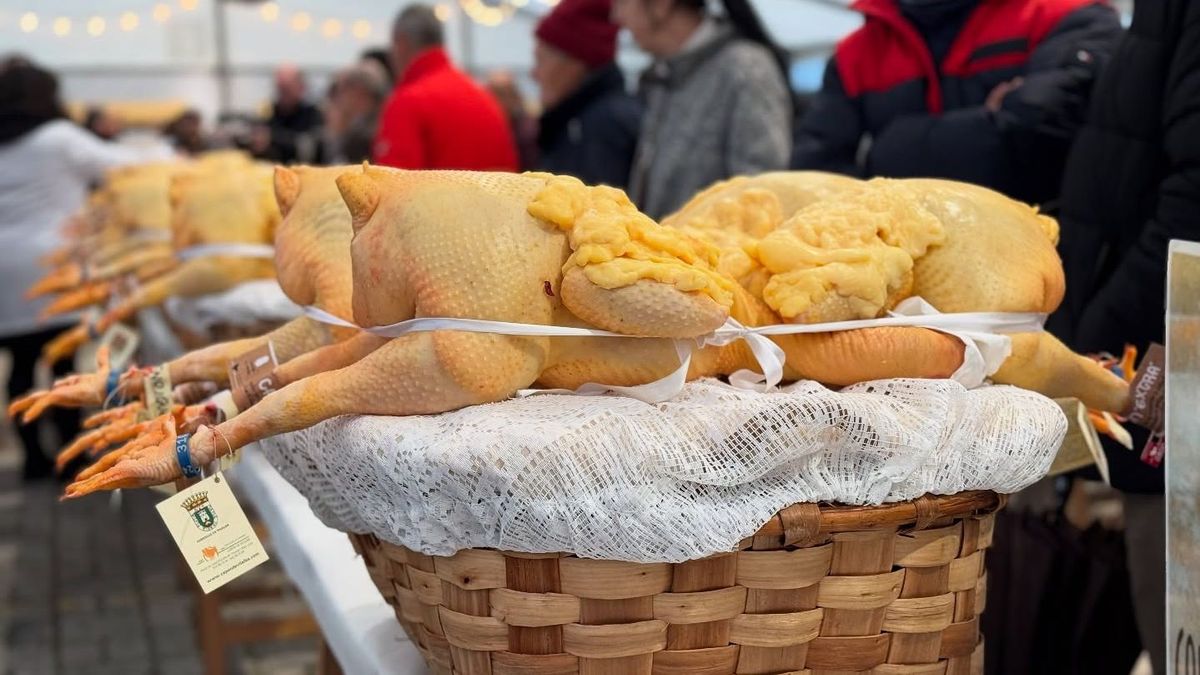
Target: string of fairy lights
{"x":483,"y":12}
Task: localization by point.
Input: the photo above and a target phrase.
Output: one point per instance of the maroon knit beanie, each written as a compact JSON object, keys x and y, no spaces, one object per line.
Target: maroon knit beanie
{"x":581,"y":29}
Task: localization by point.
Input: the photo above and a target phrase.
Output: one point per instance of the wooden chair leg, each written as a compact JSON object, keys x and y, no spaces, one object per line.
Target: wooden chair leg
{"x":211,"y":633}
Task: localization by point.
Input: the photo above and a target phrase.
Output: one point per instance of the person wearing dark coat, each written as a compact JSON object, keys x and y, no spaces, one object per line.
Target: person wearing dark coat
{"x":984,"y":91}
{"x":589,"y":125}
{"x":1132,"y":184}
{"x":292,"y":134}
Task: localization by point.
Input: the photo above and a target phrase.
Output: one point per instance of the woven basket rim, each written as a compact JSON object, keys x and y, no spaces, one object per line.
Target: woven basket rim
{"x":801,"y":524}
{"x":806,"y":524}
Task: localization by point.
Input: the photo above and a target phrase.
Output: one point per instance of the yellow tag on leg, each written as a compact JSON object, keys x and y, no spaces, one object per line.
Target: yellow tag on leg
{"x":212,"y":532}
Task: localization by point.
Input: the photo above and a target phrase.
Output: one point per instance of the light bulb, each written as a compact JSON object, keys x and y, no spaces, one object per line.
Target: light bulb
{"x":269,"y":11}
{"x":129,"y":21}
{"x":331,"y":28}
{"x":301,"y":21}
{"x":62,"y":26}
{"x":96,"y":26}
{"x":29,"y":22}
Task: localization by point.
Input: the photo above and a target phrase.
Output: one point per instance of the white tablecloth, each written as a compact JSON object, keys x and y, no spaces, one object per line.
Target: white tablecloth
{"x":359,"y":627}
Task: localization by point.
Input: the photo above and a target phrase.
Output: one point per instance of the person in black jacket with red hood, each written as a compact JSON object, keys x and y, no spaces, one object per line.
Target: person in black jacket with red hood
{"x":589,"y":127}
{"x":1132,"y":184}
{"x":984,"y":91}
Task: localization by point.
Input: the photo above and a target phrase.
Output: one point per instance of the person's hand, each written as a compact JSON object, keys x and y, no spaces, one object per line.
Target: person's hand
{"x":996,"y":97}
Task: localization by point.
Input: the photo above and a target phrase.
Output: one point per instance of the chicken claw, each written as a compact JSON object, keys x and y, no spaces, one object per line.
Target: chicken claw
{"x":148,"y":460}
{"x":65,"y":343}
{"x":59,"y":280}
{"x":83,"y":296}
{"x":123,"y":413}
{"x":75,"y":391}
{"x":94,"y":442}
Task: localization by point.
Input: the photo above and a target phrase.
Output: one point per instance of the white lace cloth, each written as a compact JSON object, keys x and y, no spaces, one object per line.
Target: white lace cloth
{"x":613,"y":477}
{"x":243,"y":305}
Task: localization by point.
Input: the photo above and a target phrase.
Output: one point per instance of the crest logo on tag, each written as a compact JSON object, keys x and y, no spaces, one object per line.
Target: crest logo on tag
{"x":201,"y":511}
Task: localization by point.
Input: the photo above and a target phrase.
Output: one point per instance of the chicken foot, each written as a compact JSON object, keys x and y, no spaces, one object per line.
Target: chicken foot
{"x":210,"y":364}
{"x":200,"y":276}
{"x":410,"y":375}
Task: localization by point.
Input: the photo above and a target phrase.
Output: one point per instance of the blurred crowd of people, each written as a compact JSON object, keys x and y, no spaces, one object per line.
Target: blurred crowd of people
{"x":1048,"y":101}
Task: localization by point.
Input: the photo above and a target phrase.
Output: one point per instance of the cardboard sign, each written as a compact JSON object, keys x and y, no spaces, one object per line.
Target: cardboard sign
{"x":157,"y":390}
{"x":1081,"y":446}
{"x":1147,"y":392}
{"x":251,"y":376}
{"x":212,"y":532}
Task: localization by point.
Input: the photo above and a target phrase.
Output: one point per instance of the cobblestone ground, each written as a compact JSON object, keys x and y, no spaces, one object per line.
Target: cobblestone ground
{"x":92,"y":587}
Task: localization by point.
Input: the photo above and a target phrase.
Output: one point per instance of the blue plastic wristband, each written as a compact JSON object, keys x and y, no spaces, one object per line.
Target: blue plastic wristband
{"x":111,"y":385}
{"x":185,"y":457}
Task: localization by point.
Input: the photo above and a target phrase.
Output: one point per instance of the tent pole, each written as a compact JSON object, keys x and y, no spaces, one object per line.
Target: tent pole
{"x":466,"y":26}
{"x":221,"y":65}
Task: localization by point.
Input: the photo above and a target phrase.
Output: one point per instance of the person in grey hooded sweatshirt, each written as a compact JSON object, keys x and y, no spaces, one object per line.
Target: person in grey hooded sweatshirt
{"x":717,"y":100}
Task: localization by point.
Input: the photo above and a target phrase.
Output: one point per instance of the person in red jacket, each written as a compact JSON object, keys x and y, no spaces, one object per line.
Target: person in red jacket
{"x":436,"y":117}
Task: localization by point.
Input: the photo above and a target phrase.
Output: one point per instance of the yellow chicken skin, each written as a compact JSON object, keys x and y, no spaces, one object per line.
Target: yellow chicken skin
{"x":421,"y":249}
{"x":961,"y":247}
{"x":312,"y":253}
{"x":211,"y":208}
{"x":413,"y":233}
{"x":161,"y":276}
{"x":124,"y":220}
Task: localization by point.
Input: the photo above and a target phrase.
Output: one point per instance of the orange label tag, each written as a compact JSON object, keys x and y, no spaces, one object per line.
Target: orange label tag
{"x":251,"y":376}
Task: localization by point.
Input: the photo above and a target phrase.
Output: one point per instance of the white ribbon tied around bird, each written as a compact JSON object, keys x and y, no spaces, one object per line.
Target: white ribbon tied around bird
{"x":984,"y":335}
{"x":232,"y":250}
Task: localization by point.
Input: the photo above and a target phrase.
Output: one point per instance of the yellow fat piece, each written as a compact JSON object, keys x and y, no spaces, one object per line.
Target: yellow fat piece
{"x":616,"y":245}
{"x":860,"y":246}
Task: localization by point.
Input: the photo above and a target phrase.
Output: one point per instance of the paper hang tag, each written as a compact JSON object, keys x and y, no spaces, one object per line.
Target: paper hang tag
{"x":212,"y":532}
{"x":251,"y":376}
{"x":157,"y":390}
{"x":122,"y":342}
{"x":1147,"y":391}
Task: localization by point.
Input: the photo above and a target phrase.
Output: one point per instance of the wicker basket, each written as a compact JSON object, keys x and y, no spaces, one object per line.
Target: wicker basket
{"x":818,"y":590}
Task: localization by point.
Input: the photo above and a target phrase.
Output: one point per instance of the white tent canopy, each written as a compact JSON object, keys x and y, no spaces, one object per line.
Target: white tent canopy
{"x":168,"y":49}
